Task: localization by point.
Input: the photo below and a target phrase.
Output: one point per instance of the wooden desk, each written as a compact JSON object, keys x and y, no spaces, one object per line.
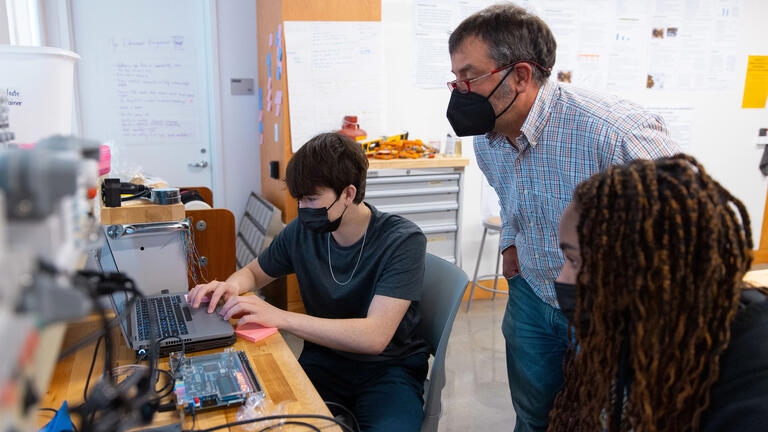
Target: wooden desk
{"x":276,"y":367}
{"x":440,"y":161}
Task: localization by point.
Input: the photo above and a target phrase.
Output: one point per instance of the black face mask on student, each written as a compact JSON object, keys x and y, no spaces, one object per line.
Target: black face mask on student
{"x":316,"y":219}
{"x":472,"y":114}
{"x":566,"y":298}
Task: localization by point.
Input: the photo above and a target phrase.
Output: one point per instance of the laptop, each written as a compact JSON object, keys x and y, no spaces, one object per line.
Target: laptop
{"x":173,"y":317}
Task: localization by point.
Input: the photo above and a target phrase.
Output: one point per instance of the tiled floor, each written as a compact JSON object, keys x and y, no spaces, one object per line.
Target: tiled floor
{"x":476,"y":395}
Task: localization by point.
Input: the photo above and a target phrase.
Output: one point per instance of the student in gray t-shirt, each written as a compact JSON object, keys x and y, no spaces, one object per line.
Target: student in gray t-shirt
{"x":360,"y":274}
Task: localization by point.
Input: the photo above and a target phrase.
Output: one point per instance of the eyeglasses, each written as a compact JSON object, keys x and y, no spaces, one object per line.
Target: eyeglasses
{"x":464,"y":86}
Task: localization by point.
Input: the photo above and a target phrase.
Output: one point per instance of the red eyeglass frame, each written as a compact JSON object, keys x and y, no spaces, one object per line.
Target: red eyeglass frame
{"x":454,"y":85}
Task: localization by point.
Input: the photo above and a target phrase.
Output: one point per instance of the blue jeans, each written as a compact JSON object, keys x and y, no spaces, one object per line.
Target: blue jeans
{"x":384,"y":395}
{"x":537,"y":338}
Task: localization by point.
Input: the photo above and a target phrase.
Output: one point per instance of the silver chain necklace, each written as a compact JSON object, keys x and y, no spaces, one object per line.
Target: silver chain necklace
{"x":330,"y":266}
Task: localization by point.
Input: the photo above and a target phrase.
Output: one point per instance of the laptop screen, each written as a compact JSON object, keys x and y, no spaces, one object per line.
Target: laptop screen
{"x":107,"y":264}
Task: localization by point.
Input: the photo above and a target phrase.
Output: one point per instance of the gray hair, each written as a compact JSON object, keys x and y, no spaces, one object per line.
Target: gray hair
{"x":512,"y":34}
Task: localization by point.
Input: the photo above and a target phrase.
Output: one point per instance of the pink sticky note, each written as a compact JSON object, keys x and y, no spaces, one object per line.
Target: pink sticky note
{"x":255,"y":332}
{"x":278,"y":97}
{"x":261,"y":115}
{"x":269,"y":84}
{"x":277,"y":109}
{"x":269,"y":105}
{"x":270,"y":39}
{"x":205,"y":299}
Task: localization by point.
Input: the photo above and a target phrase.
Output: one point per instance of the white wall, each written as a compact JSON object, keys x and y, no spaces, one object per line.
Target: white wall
{"x":422,"y":113}
{"x":722,"y":137}
{"x":5,"y":37}
{"x":238,"y":58}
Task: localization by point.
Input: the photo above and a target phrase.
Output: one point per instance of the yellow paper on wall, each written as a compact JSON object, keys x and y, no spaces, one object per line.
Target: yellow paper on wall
{"x":756,"y":84}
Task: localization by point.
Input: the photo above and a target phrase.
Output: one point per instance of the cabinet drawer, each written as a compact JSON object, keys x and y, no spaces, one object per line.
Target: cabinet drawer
{"x":405,"y":201}
{"x":412,"y":185}
{"x":431,"y":219}
{"x":442,"y":244}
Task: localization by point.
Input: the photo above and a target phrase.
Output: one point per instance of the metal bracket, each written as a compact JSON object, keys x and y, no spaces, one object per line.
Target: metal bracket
{"x":116,"y":231}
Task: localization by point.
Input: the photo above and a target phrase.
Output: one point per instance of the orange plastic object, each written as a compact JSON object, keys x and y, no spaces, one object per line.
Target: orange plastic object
{"x":350,"y":128}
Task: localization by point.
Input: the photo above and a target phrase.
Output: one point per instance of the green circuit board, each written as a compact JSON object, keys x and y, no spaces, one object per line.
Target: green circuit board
{"x":213,"y":380}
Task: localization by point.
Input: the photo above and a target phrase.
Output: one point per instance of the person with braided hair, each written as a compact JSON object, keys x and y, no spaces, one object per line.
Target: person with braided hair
{"x":665,"y":337}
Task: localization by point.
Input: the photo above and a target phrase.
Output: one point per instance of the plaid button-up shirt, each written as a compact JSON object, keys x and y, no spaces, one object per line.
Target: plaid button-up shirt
{"x":569,"y":135}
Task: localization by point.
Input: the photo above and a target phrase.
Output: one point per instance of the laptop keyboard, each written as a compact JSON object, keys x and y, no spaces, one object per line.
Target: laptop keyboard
{"x":168,"y":313}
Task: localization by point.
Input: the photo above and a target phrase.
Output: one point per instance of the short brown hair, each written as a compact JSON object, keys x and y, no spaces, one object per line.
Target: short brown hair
{"x":512,"y":34}
{"x":327,"y":160}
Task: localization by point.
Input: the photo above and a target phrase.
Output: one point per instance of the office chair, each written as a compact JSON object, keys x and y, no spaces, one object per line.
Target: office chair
{"x":444,"y":285}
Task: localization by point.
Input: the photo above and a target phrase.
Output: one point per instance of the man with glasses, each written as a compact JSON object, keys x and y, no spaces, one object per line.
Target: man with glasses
{"x":537,"y":140}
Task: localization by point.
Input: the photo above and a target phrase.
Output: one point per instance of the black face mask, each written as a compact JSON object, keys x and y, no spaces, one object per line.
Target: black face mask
{"x":472,"y":114}
{"x":316,"y":219}
{"x":566,"y":298}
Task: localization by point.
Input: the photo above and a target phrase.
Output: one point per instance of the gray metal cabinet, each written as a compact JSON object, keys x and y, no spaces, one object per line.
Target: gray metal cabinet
{"x":430,"y":197}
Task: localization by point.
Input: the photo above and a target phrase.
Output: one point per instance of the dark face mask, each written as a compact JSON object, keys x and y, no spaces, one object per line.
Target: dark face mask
{"x":472,"y":114}
{"x":566,"y":298}
{"x":316,"y":219}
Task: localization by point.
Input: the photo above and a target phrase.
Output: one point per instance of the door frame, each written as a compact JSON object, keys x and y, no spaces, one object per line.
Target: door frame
{"x":58,"y":32}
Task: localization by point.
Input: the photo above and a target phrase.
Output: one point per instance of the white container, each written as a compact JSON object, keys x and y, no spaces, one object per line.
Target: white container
{"x":39,"y":82}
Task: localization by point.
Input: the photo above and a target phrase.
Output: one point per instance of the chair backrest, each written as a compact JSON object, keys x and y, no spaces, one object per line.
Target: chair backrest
{"x":444,"y":286}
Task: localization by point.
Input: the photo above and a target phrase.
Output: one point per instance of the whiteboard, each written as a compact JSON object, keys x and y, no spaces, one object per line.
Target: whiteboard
{"x":144,"y":83}
{"x":720,"y":133}
{"x":334,"y":69}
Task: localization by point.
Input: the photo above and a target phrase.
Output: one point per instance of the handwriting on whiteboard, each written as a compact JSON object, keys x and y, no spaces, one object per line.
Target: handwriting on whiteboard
{"x":155,"y":88}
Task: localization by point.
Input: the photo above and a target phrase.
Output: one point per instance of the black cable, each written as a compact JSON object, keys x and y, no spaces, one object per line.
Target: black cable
{"x":346,"y":410}
{"x":98,"y":284}
{"x":168,"y":387}
{"x":183,"y":348}
{"x":154,"y":359}
{"x":107,"y":339}
{"x":90,"y":371}
{"x":279,"y":417}
{"x":94,"y":336}
{"x":295,"y":423}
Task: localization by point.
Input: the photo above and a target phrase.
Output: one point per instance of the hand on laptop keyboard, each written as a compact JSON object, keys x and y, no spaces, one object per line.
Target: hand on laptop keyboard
{"x":216,"y":290}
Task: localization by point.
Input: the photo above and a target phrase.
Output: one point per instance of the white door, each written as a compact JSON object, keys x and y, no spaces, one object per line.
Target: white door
{"x":144,"y":83}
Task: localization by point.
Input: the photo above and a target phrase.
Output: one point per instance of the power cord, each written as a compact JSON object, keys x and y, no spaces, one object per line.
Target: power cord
{"x":278,"y":417}
{"x":346,"y":410}
{"x":90,"y":371}
{"x":110,"y":402}
{"x":294,"y":423}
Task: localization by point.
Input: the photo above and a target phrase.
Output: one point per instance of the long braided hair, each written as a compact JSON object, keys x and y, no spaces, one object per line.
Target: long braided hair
{"x":664,"y":249}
